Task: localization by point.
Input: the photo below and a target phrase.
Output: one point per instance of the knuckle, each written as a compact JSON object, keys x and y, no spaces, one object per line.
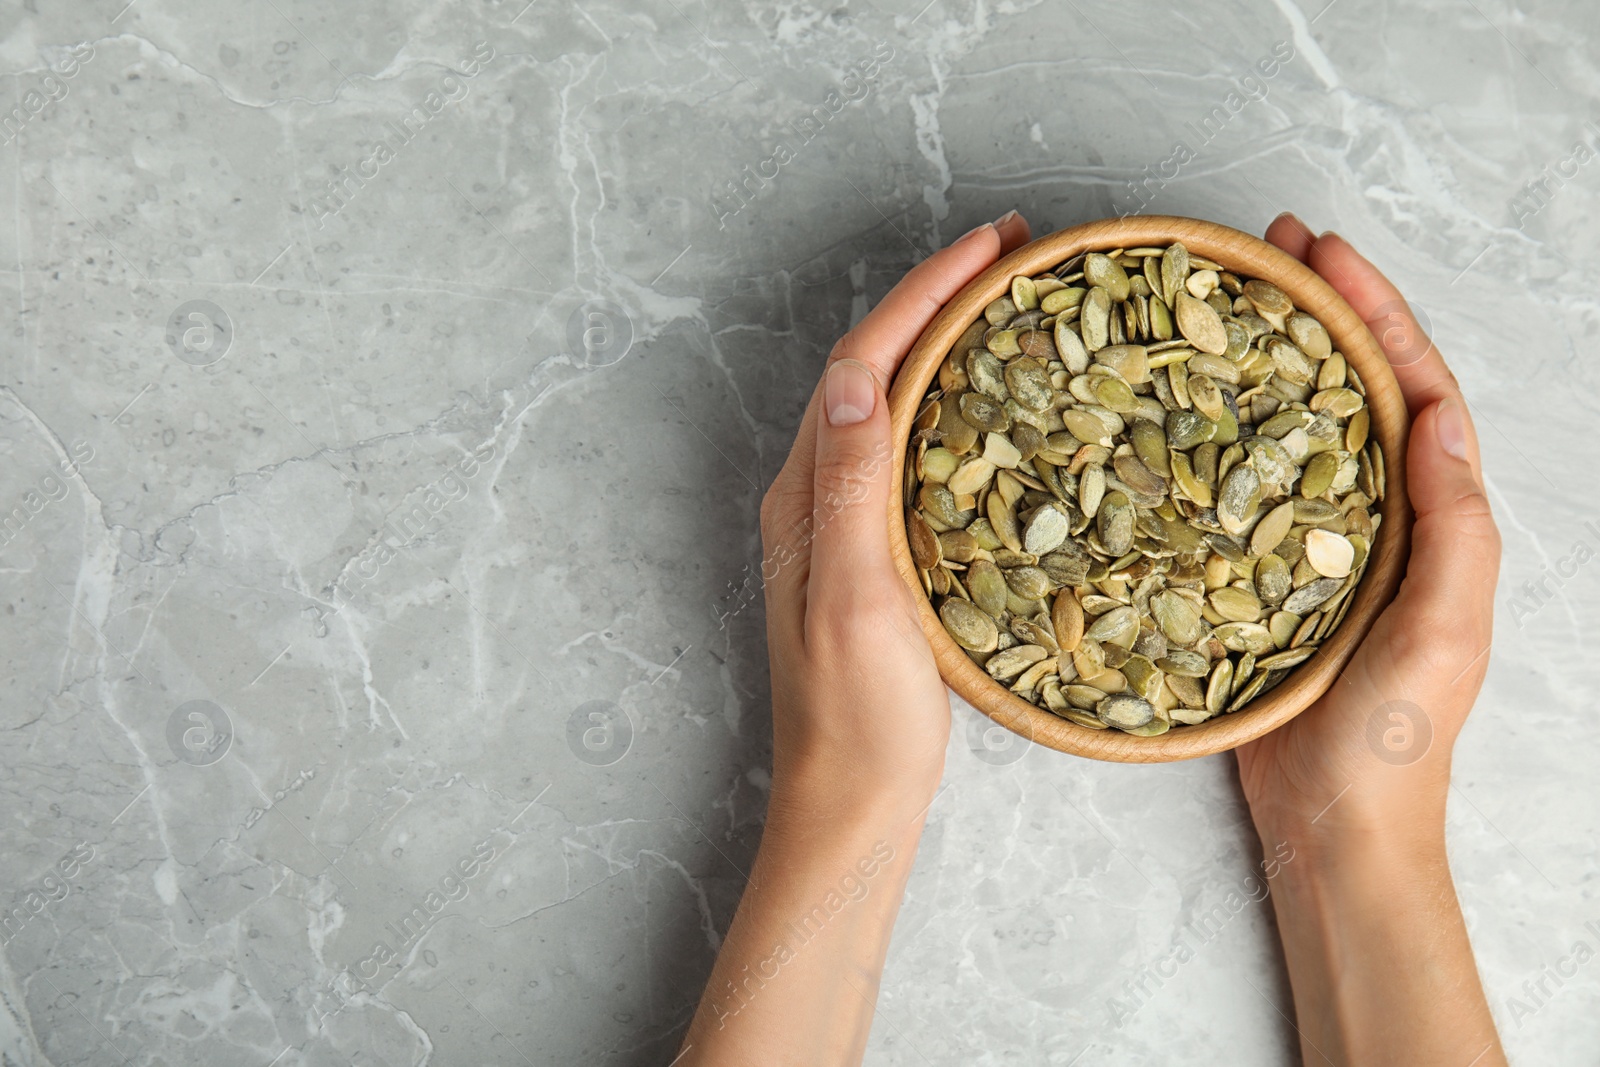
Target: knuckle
{"x":778,"y":506}
{"x":843,"y":347}
{"x":1473,"y":523}
{"x":843,"y":479}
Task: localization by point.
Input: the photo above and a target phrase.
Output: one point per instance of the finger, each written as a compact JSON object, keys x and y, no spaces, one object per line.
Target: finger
{"x":882,"y":339}
{"x":1418,"y":364}
{"x":1291,"y":235}
{"x":1455,"y":546}
{"x":850,"y":564}
{"x":1014,"y":232}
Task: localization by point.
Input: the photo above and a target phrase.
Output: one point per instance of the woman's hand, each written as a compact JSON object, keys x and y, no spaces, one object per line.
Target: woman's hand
{"x":860,"y":717}
{"x":1374,"y":752}
{"x":858,"y":706}
{"x":1354,"y":788}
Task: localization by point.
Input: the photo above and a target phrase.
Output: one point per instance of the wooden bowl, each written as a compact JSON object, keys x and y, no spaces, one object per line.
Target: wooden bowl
{"x":1247,"y":256}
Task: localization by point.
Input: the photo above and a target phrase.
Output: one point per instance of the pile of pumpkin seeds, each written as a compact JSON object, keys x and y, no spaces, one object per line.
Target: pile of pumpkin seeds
{"x":1142,"y":489}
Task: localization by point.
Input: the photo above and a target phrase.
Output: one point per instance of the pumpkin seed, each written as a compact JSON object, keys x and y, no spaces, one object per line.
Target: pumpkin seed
{"x":1309,"y":597}
{"x":1006,"y":665}
{"x":1244,"y":637}
{"x":1125,"y":711}
{"x":1181,"y":663}
{"x":1045,"y":531}
{"x":1114,"y":523}
{"x":1238,"y":499}
{"x":1220,"y":686}
{"x":1200,"y":324}
{"x":1330,"y":554}
{"x":1272,"y":529}
{"x":972,"y":628}
{"x":1235,"y":604}
{"x":1174,"y":271}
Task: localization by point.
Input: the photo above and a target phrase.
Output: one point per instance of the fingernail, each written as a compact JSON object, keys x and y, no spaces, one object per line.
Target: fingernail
{"x":849,"y":393}
{"x":974,"y":232}
{"x":1327,"y":234}
{"x":1295,"y":220}
{"x":1003,"y":219}
{"x":1450,"y":422}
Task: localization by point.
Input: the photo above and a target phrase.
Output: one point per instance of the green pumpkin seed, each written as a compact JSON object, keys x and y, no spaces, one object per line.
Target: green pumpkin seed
{"x":1023,"y":293}
{"x":984,"y":414}
{"x":1103,"y":271}
{"x":1006,"y":665}
{"x":1272,"y":529}
{"x":1174,"y":271}
{"x":1182,"y":663}
{"x":1235,"y":604}
{"x":1125,"y":711}
{"x":1045,"y":531}
{"x":1219,"y":687}
{"x":1186,"y":429}
{"x":1273,"y":579}
{"x":1238,"y":499}
{"x":1308,"y":598}
{"x":1095,"y":320}
{"x":1245,"y":637}
{"x":972,"y":629}
{"x":1029,"y":384}
{"x":1177,"y":616}
{"x":1114,"y":523}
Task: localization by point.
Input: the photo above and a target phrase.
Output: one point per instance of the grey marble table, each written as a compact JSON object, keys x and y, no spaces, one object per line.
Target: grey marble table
{"x":389,"y":398}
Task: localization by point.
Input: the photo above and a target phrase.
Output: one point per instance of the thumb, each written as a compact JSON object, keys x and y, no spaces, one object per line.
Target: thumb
{"x":850,"y":563}
{"x":1455,"y":546}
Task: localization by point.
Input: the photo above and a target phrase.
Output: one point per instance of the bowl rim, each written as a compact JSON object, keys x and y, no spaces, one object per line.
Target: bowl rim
{"x":1251,"y":257}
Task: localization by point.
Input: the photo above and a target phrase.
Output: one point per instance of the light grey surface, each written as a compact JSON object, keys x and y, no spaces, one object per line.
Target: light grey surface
{"x":225,"y":539}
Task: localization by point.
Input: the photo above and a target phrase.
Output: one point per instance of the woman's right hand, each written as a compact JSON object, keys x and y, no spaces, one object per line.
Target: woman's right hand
{"x":1349,"y":797}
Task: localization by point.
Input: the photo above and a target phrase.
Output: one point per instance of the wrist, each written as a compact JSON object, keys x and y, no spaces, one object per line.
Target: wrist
{"x":1366,"y":822}
{"x":829,"y":816}
{"x":856,"y":791}
{"x":1376,"y":854}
